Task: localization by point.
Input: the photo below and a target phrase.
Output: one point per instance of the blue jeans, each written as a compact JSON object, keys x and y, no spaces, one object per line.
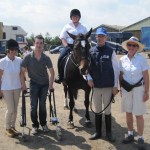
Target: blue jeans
{"x":38,"y":93}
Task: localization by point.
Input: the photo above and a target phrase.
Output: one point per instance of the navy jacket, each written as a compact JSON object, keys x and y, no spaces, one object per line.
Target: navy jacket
{"x":101,"y":68}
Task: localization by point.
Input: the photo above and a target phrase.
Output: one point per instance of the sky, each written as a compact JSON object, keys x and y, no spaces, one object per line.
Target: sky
{"x":42,"y":16}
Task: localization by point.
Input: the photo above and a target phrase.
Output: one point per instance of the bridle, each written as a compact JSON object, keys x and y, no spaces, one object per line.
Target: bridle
{"x":72,"y":56}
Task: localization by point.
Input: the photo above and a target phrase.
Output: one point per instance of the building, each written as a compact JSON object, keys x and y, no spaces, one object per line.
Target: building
{"x":135,"y":28}
{"x":113,"y":33}
{"x":2,"y":34}
{"x":110,"y":28}
{"x":16,"y":33}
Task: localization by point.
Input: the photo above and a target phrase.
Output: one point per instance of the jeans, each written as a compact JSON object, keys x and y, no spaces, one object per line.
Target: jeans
{"x":38,"y":93}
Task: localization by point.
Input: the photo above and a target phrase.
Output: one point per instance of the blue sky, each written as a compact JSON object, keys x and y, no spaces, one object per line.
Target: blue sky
{"x":41,"y":16}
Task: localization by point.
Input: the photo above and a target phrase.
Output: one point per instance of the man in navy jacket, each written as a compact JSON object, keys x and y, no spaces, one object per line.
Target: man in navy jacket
{"x":103,"y":78}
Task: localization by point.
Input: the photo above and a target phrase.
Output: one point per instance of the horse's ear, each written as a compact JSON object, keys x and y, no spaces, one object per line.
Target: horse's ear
{"x":88,"y":33}
{"x":71,"y":35}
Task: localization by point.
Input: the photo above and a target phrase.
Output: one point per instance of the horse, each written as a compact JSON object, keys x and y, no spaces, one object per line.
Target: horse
{"x":75,"y":65}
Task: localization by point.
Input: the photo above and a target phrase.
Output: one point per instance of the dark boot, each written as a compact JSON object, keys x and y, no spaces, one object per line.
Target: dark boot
{"x":98,"y":126}
{"x":108,"y":128}
{"x":59,"y":78}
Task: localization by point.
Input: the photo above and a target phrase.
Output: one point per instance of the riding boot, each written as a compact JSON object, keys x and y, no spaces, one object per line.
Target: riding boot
{"x":98,"y":126}
{"x":59,"y":78}
{"x":109,"y":136}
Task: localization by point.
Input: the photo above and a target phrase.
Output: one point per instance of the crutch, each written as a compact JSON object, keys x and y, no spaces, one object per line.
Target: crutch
{"x":23,"y":114}
{"x":53,"y":114}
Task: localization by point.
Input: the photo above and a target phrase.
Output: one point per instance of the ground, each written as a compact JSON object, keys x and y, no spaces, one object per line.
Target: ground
{"x":74,"y":139}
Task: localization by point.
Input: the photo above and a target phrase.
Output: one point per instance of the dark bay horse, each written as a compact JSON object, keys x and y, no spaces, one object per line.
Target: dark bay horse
{"x":75,"y":66}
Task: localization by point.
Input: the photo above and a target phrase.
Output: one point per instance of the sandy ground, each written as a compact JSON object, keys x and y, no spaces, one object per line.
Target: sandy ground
{"x":77,"y":138}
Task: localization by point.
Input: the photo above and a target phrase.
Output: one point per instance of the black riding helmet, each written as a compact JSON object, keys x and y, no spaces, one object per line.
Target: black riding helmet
{"x":75,"y":12}
{"x":12,"y":44}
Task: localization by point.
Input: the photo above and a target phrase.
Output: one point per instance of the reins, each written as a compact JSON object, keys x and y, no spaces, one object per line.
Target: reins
{"x":73,"y":61}
{"x":69,"y":57}
{"x":99,"y":113}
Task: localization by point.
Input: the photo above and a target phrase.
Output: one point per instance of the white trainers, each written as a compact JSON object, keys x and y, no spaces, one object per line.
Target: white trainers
{"x":34,"y":130}
{"x":45,"y":128}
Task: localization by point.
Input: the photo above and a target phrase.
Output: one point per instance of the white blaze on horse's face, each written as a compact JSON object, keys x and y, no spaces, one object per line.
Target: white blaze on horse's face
{"x":83,"y":67}
{"x":83,"y":43}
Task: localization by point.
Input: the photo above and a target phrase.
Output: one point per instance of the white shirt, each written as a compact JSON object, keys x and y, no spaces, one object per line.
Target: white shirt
{"x":133,"y":69}
{"x":116,"y":68}
{"x":11,"y":73}
{"x":73,"y":30}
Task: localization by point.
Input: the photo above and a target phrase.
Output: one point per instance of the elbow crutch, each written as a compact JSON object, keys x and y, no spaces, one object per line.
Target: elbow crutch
{"x":53,"y":114}
{"x":23,"y":114}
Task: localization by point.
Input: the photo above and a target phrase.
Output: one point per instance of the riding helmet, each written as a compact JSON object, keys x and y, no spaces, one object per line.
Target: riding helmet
{"x":75,"y":12}
{"x":12,"y":44}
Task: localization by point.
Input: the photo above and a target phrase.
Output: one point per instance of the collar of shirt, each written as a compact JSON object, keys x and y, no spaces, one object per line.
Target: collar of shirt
{"x":135,"y":55}
{"x":71,"y":23}
{"x":8,"y":59}
{"x":41,"y":58}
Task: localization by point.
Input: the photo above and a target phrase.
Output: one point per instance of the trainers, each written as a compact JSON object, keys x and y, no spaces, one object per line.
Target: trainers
{"x":9,"y":133}
{"x":16,"y":133}
{"x":45,"y":128}
{"x":128,"y":139}
{"x":34,"y":130}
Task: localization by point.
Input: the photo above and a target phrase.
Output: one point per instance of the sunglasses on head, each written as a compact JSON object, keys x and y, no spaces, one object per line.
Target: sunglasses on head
{"x":132,"y":45}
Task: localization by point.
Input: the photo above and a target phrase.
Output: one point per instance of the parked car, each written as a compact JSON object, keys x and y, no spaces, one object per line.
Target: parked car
{"x":116,"y":47}
{"x":2,"y":48}
{"x":56,"y":50}
{"x":53,"y":46}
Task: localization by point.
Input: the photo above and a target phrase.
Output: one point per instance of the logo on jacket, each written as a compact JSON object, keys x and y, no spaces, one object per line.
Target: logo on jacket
{"x":105,"y":56}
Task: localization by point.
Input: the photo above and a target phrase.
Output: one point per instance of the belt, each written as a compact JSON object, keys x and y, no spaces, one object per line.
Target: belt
{"x":140,"y":84}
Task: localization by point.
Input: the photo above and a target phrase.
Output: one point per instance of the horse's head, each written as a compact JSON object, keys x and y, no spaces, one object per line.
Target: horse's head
{"x":81,"y":47}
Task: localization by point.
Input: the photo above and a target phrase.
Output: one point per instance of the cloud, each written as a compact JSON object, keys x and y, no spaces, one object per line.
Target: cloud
{"x":41,"y":16}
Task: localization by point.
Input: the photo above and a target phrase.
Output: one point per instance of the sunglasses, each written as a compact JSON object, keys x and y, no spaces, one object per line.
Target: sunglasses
{"x":132,"y":45}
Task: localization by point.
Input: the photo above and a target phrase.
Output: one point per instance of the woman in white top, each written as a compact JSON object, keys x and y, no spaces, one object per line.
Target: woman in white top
{"x":134,"y":69}
{"x":11,"y":85}
{"x":74,"y":27}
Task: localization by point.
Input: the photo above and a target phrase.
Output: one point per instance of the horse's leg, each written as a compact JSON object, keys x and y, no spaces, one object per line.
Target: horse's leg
{"x":86,"y":103}
{"x":71,"y":105}
{"x":66,"y":99}
{"x":75,"y":93}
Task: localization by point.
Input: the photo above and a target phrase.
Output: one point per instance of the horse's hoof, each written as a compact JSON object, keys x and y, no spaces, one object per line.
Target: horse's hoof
{"x":70,"y":125}
{"x":88,"y":124}
{"x":66,"y":107}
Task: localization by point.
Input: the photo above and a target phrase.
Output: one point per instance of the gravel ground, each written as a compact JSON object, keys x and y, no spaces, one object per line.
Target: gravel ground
{"x":77,"y":138}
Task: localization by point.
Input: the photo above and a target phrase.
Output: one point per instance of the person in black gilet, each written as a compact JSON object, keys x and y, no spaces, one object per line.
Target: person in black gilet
{"x":103,"y":78}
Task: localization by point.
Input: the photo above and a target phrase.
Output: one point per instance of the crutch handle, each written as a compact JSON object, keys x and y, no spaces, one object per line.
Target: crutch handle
{"x":24,"y":92}
{"x":51,"y":90}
